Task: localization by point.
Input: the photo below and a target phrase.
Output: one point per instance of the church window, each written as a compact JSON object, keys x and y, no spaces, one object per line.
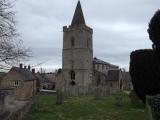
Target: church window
{"x":102,"y":67}
{"x":72,"y":42}
{"x":72,"y":75}
{"x":98,"y":80}
{"x":97,"y":66}
{"x":73,"y":83}
{"x":87,"y":43}
{"x":111,"y":85}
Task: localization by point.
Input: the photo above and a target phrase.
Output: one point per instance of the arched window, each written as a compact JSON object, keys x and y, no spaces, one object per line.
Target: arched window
{"x":72,"y":42}
{"x":72,"y":75}
{"x":98,"y":80}
{"x":87,"y":43}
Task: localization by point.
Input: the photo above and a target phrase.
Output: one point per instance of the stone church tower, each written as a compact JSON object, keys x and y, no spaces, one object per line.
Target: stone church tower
{"x":77,"y":61}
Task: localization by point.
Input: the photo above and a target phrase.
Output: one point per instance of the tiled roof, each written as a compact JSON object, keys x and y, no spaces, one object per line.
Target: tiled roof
{"x":98,"y":61}
{"x":25,"y":73}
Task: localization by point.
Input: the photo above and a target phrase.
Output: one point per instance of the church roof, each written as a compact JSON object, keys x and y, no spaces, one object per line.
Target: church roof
{"x":78,"y":18}
{"x":98,"y":61}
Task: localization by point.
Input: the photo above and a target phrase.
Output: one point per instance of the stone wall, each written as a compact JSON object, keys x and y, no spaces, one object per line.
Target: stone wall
{"x":85,"y":90}
{"x":18,"y":114}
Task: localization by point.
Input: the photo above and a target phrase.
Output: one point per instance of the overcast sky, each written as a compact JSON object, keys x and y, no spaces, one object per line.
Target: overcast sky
{"x":120,"y":26}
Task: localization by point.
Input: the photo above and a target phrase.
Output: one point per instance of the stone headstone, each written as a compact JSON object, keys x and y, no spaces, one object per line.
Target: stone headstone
{"x":98,"y":93}
{"x":118,"y":101}
{"x":60,"y":97}
{"x":2,"y":101}
{"x":133,"y":97}
{"x":153,"y":104}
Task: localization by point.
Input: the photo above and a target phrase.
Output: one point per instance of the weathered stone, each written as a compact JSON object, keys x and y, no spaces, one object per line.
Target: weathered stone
{"x":118,"y":101}
{"x":60,"y":97}
{"x":133,"y":97}
{"x":99,"y":94}
{"x":2,"y":101}
{"x":153,"y":104}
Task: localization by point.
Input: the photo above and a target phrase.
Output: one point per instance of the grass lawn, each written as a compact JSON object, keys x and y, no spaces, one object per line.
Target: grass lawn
{"x":85,"y":108}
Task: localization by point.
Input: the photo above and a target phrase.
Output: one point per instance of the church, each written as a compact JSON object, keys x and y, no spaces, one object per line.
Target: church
{"x":79,"y":67}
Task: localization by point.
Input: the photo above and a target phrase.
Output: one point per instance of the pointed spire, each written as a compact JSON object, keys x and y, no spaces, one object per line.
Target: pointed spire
{"x":78,"y":17}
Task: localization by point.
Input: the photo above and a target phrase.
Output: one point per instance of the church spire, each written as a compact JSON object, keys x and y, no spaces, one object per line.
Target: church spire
{"x":78,"y":18}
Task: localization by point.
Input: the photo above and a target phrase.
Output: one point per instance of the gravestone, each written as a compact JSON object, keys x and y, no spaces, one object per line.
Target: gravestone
{"x":2,"y":101}
{"x":98,"y":93}
{"x":153,"y":104}
{"x":133,"y":97}
{"x":118,"y":101}
{"x":60,"y":97}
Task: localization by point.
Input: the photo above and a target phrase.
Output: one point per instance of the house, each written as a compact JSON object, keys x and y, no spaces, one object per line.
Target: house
{"x":126,"y":81}
{"x":113,"y":80}
{"x":51,"y":78}
{"x":45,"y":81}
{"x":22,"y":81}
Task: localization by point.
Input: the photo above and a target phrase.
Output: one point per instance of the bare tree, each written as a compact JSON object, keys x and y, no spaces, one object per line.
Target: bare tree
{"x":11,"y":48}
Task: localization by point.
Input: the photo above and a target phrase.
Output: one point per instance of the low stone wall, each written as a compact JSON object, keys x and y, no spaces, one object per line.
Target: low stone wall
{"x":81,"y":90}
{"x":47,"y":92}
{"x":18,"y":113}
{"x":153,"y":105}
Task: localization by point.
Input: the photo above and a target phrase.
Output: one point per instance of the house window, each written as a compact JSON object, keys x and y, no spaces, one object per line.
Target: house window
{"x":16,"y":83}
{"x":72,"y":42}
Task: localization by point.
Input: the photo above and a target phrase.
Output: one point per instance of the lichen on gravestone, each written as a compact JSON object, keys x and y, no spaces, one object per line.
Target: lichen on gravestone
{"x":155,"y":107}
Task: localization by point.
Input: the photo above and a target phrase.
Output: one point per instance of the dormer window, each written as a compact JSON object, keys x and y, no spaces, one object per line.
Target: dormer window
{"x":72,"y":42}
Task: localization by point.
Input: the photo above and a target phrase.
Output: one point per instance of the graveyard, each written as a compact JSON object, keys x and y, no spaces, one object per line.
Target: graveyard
{"x":87,"y":108}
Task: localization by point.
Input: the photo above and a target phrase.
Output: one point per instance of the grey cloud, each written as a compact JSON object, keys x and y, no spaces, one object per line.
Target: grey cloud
{"x":119,"y":27}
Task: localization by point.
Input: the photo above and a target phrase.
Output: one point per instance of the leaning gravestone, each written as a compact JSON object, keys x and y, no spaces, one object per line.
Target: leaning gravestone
{"x":2,"y":101}
{"x":60,"y":97}
{"x":98,"y":93}
{"x":153,"y":104}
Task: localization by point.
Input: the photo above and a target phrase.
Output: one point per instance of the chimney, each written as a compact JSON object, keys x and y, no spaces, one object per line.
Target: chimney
{"x":29,"y":67}
{"x":33,"y":71}
{"x":25,"y":67}
{"x":20,"y":65}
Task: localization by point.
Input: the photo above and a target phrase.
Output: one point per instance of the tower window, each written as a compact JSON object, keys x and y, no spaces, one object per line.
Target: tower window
{"x":72,"y":42}
{"x":72,"y":75}
{"x":87,"y":43}
{"x":73,"y":83}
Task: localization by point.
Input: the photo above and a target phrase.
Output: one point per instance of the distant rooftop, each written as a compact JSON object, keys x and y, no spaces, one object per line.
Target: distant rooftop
{"x":98,"y":61}
{"x":25,"y":73}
